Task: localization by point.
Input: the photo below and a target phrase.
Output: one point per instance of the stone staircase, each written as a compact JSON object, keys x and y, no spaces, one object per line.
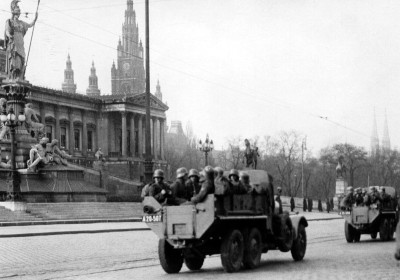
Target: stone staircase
{"x":85,"y":210}
{"x":7,"y":215}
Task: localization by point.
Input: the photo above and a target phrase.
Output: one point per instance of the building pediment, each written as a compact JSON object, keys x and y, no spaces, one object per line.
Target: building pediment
{"x":155,"y":103}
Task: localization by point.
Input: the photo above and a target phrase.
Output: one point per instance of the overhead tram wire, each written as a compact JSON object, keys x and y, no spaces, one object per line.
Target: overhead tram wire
{"x":282,"y":104}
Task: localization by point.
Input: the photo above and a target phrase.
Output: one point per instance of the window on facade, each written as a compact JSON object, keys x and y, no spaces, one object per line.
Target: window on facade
{"x":49,"y":132}
{"x":77,"y":138}
{"x":90,"y":140}
{"x":63,"y":137}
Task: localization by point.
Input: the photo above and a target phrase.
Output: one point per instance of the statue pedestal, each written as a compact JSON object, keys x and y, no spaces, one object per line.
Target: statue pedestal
{"x":14,"y":205}
{"x":341,"y":185}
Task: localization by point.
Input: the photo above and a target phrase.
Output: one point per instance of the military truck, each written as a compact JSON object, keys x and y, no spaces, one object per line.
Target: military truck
{"x":238,"y":227}
{"x":372,"y":219}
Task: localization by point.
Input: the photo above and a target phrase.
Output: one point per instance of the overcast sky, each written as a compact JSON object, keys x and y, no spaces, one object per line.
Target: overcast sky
{"x":240,"y":68}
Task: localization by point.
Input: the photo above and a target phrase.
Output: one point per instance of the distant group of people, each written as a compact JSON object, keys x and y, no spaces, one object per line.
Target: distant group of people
{"x":193,"y":187}
{"x":361,"y":197}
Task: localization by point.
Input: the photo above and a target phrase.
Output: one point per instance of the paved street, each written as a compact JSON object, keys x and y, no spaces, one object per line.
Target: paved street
{"x":133,"y":255}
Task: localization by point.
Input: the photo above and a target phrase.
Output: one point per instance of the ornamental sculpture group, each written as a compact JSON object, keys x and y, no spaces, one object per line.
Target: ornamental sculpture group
{"x":45,"y":152}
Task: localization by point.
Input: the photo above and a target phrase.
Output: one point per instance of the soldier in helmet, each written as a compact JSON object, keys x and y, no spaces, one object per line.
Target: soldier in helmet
{"x":159,"y":190}
{"x":374,"y":199}
{"x":385,"y":198}
{"x":348,"y":200}
{"x":358,"y":198}
{"x":221,"y":183}
{"x":179,"y":191}
{"x":207,"y":187}
{"x":278,"y":199}
{"x":234,"y":180}
{"x":244,"y":186}
{"x":193,"y":184}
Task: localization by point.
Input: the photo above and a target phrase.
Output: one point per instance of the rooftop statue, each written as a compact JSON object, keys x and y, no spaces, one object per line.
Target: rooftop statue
{"x":15,"y":31}
{"x":251,"y":155}
{"x":341,"y":168}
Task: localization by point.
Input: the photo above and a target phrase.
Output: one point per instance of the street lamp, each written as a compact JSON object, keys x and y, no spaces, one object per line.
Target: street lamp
{"x":206,"y":147}
{"x":9,"y":119}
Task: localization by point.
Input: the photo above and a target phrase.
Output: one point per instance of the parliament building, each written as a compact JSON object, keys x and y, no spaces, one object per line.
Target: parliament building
{"x":113,"y":122}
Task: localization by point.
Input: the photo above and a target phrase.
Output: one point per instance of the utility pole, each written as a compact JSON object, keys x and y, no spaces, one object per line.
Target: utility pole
{"x":148,"y":165}
{"x":303,"y":147}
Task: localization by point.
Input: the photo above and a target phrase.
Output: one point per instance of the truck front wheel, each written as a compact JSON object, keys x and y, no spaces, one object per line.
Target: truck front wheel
{"x":171,"y":259}
{"x":384,"y":230}
{"x":300,"y":244}
{"x":252,"y":249}
{"x":232,"y":249}
{"x":349,"y":232}
{"x":194,"y":262}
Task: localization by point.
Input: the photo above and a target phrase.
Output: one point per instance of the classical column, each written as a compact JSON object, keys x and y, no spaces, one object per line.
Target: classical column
{"x":162,"y":134}
{"x":152,"y":136}
{"x":42,"y":113}
{"x":84,"y":134}
{"x":57,"y":131}
{"x":71,"y":131}
{"x":104,"y":142}
{"x":157,"y":139}
{"x":132,"y":139}
{"x":124,"y":136}
{"x":140,"y":136}
{"x":98,"y":117}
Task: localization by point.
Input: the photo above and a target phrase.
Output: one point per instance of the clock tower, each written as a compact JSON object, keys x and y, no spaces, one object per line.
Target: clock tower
{"x":128,"y":76}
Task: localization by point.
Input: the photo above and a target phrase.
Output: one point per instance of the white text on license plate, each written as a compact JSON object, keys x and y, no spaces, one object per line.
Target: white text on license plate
{"x":152,"y":219}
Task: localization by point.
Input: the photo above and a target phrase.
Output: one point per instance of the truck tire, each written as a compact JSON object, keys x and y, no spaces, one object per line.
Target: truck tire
{"x":384,"y":230}
{"x":349,"y":232}
{"x":252,"y":249}
{"x":299,"y":244}
{"x":194,"y":262}
{"x":285,"y":242}
{"x":232,"y":249}
{"x":171,"y":259}
{"x":374,"y":235}
{"x":357,"y":235}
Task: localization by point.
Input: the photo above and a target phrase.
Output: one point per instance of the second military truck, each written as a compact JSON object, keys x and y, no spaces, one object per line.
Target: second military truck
{"x":238,"y":227}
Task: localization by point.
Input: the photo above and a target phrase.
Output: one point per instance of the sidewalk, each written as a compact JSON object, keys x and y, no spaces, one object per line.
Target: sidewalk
{"x":317,"y":216}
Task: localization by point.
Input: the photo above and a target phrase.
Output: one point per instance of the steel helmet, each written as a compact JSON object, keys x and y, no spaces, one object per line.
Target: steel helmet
{"x":158,"y":173}
{"x":193,"y":172}
{"x":208,"y":169}
{"x":243,"y":174}
{"x":219,"y":170}
{"x":181,"y":172}
{"x":358,"y":190}
{"x":349,"y":189}
{"x":233,"y":172}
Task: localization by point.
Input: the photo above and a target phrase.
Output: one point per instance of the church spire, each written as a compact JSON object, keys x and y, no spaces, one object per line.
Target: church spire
{"x":374,"y":138}
{"x":386,"y":138}
{"x":68,"y":85}
{"x":158,"y":93}
{"x":93,"y":89}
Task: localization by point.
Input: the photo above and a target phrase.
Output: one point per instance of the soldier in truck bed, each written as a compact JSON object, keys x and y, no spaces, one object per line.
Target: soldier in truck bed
{"x":180,"y":192}
{"x":207,"y":187}
{"x":160,"y":190}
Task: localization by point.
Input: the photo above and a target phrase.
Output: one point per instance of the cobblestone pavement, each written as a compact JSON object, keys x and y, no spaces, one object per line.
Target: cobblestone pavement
{"x":133,"y":255}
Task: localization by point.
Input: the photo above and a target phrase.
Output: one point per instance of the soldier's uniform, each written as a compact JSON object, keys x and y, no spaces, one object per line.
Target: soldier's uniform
{"x":179,"y":190}
{"x":359,"y":198}
{"x":193,"y":184}
{"x":222,"y":185}
{"x":207,"y":187}
{"x":348,"y":200}
{"x":159,"y":190}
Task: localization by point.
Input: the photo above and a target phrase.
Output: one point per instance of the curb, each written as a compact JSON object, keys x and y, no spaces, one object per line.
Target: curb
{"x":62,"y":222}
{"x":70,"y":232}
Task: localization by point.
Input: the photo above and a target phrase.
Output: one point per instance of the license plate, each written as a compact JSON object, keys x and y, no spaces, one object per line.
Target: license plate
{"x":152,"y":219}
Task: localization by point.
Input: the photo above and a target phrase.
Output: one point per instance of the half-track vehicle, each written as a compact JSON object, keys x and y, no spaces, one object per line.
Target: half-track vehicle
{"x":238,"y":227}
{"x":372,"y":219}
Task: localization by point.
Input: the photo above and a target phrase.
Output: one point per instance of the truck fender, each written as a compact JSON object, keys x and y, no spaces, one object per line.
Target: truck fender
{"x":296,"y":221}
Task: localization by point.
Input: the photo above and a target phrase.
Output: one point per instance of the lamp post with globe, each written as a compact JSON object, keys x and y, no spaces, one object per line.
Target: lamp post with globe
{"x":206,"y":147}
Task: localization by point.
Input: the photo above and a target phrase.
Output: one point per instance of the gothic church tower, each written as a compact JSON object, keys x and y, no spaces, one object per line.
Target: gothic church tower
{"x":69,"y":85}
{"x":93,"y":89}
{"x":128,"y":76}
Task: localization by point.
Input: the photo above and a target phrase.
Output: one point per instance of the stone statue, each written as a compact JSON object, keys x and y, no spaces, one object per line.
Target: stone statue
{"x":250,"y":155}
{"x":99,"y":155}
{"x":32,"y":124}
{"x":54,"y":154}
{"x":341,"y":168}
{"x":4,"y":164}
{"x":3,"y":128}
{"x":38,"y":154}
{"x":15,"y":31}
